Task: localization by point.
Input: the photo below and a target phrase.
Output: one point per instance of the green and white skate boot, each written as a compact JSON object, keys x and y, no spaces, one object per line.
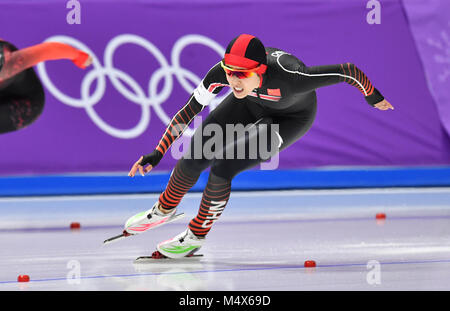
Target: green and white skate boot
{"x":184,"y":244}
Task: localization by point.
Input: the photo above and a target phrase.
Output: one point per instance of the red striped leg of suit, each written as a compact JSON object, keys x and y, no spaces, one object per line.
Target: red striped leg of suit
{"x":179,"y":184}
{"x":215,"y":198}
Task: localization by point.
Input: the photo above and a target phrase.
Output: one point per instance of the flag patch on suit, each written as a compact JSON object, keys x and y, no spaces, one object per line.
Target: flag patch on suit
{"x":274,"y":92}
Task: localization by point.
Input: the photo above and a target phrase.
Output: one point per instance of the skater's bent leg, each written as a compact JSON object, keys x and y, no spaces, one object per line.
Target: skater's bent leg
{"x":215,"y":197}
{"x":217,"y":191}
{"x":183,"y":178}
{"x":187,"y":170}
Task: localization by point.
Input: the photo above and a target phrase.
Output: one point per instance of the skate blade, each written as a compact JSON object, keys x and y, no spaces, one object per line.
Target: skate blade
{"x":143,"y":228}
{"x":126,"y":234}
{"x":117,"y":238}
{"x":150,"y":259}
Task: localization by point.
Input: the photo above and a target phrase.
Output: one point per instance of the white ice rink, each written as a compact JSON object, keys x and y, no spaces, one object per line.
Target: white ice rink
{"x":260,"y":243}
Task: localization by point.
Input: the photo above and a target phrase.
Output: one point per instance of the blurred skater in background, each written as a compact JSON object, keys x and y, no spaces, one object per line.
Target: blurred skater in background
{"x":21,"y":93}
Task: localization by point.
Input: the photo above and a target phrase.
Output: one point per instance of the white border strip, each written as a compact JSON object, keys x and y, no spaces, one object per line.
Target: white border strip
{"x":235,"y":194}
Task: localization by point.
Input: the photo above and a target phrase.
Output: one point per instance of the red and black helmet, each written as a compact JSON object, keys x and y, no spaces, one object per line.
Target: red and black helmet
{"x":248,"y":52}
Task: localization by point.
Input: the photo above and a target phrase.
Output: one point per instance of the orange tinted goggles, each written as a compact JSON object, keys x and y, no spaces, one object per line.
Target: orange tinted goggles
{"x":239,"y":73}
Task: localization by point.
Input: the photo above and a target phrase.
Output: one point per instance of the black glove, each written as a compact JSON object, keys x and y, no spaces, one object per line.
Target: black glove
{"x":151,"y":158}
{"x":375,"y":98}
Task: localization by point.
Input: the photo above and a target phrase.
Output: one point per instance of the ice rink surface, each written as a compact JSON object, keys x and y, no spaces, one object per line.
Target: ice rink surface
{"x":260,"y":243}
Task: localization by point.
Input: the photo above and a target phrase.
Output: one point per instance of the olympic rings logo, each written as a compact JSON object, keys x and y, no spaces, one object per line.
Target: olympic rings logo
{"x":151,"y":98}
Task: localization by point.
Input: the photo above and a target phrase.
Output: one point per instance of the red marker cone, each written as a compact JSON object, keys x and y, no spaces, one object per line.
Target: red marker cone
{"x":75,"y":225}
{"x":310,"y":264}
{"x":23,"y":278}
{"x":380,"y":216}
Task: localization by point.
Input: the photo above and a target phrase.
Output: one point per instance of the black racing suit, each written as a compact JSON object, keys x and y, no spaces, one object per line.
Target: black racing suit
{"x":282,"y":109}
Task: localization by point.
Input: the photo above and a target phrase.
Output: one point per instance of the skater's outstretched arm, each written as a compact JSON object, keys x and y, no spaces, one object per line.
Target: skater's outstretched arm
{"x":175,"y":129}
{"x":20,"y":60}
{"x":311,"y":78}
{"x":210,"y":86}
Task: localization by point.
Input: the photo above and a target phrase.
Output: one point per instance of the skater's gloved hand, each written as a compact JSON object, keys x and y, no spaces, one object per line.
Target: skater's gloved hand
{"x":152,"y":159}
{"x":384,"y":105}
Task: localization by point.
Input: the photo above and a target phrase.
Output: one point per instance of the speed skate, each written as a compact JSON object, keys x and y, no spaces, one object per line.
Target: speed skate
{"x":144,"y":221}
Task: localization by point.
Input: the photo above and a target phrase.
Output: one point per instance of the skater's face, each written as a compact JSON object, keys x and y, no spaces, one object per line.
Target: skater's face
{"x":242,"y":85}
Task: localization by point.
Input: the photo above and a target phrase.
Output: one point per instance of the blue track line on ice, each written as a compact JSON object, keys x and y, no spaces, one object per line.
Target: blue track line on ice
{"x":235,"y":270}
